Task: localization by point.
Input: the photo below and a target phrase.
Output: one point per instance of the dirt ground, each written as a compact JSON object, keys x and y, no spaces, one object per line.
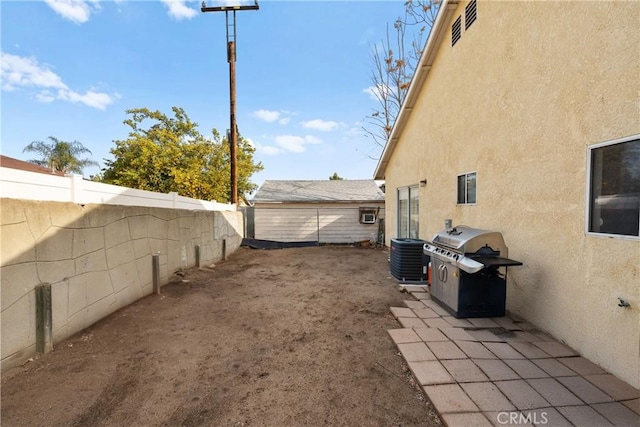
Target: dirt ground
{"x":286,"y":337}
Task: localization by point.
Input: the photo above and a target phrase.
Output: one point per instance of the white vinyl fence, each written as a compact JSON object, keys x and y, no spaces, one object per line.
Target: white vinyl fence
{"x":18,"y":184}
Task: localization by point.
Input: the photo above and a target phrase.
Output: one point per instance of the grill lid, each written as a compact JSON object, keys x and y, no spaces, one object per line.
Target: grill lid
{"x":470,"y":249}
{"x":466,"y":239}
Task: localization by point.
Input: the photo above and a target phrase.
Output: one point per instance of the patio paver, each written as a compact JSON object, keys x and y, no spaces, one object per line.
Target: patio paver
{"x":503,"y":350}
{"x":488,"y":397}
{"x":581,"y":366}
{"x":634,"y":405}
{"x":613,"y":386}
{"x":554,"y":392}
{"x":475,"y":350}
{"x":464,"y":370}
{"x":400,"y":336}
{"x":555,"y":349}
{"x":450,"y":398}
{"x":415,"y":352}
{"x":617,"y":414}
{"x":584,"y":416}
{"x":470,"y":419}
{"x":496,"y":369}
{"x":586,"y":391}
{"x":413,"y":304}
{"x":430,"y":372}
{"x":402,"y":312}
{"x":425,"y":313}
{"x":431,"y":334}
{"x":526,"y":369}
{"x":482,"y":372}
{"x":411,"y":322}
{"x":554,"y":368}
{"x":446,"y":350}
{"x":529,"y":350}
{"x":457,"y":334}
{"x":522,"y":394}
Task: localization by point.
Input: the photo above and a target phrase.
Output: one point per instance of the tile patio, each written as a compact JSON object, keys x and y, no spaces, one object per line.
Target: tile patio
{"x":486,"y":372}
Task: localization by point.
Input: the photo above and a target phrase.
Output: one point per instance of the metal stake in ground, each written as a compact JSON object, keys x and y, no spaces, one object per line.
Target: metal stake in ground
{"x":231,"y":58}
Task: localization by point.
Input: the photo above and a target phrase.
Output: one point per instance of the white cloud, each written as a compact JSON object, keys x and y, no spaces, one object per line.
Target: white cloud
{"x":91,"y":98}
{"x":179,"y":10}
{"x":21,"y":72}
{"x":376,"y":92}
{"x":269,"y":150}
{"x":271,"y":116}
{"x":267,"y":115}
{"x":294,"y":143}
{"x":321,"y":125}
{"x":45,"y":96}
{"x":78,"y":11}
{"x":354,"y":131}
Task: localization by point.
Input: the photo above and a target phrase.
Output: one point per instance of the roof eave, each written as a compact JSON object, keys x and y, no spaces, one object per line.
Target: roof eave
{"x":440,"y":26}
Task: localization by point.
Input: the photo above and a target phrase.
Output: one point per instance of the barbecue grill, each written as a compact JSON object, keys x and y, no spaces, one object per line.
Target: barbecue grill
{"x":469,"y":268}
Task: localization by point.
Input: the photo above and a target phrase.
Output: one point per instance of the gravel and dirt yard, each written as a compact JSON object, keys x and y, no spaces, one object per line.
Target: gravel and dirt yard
{"x":287,"y":337}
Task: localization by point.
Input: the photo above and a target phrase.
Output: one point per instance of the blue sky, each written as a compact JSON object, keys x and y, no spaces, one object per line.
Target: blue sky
{"x":70,"y":69}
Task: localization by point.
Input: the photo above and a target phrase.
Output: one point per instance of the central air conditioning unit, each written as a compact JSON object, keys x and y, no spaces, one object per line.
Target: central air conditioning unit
{"x":409,"y":264}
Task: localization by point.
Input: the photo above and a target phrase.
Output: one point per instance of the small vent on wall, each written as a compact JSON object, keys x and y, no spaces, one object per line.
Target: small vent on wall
{"x":456,"y":30}
{"x":470,"y":14}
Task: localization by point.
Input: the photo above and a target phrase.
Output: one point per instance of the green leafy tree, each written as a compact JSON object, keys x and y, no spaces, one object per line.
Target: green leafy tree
{"x":335,"y":177}
{"x":60,"y":156}
{"x":170,"y":154}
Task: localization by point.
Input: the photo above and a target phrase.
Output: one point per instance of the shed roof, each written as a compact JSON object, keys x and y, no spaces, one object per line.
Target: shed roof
{"x":365,"y":190}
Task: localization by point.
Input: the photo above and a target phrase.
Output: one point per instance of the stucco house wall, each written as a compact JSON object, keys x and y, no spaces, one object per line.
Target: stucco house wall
{"x":518,"y":99}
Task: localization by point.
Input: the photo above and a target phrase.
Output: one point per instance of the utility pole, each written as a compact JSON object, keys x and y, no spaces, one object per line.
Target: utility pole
{"x":232,"y":134}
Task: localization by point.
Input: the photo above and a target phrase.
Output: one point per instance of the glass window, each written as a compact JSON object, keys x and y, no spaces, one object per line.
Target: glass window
{"x":413,"y":212}
{"x":403,"y":212}
{"x":408,"y":212}
{"x":467,"y":188}
{"x":614,"y":188}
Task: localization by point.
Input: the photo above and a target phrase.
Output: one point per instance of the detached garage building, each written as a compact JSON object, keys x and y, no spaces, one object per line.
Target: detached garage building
{"x":332,"y":211}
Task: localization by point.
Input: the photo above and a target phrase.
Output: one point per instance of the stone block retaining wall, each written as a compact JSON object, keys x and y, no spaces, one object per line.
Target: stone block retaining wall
{"x":97,"y":258}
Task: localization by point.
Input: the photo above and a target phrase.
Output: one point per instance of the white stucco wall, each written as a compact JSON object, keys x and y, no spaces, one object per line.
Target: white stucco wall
{"x":528,"y":87}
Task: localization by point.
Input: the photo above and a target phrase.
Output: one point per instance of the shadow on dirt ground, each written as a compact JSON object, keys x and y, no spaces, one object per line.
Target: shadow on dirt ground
{"x":285,"y":337}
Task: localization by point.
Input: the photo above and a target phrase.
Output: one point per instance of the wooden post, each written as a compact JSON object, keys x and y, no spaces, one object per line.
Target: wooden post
{"x":44,"y":331}
{"x":155,"y":268}
{"x":198,"y":256}
{"x":224,"y":249}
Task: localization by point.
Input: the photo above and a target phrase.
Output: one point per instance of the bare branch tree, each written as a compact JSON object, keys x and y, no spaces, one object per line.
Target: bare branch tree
{"x":393,"y":67}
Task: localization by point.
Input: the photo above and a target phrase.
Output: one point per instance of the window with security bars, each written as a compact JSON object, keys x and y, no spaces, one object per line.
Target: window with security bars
{"x":456,"y":30}
{"x":614,"y":187}
{"x":470,"y":13}
{"x":467,"y":189}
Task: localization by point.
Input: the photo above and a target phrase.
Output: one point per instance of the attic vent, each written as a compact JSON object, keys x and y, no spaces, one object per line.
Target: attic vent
{"x":456,"y":30}
{"x":469,"y":14}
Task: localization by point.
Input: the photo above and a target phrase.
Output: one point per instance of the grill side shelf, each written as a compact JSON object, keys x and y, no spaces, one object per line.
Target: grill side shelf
{"x":497,"y":261}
